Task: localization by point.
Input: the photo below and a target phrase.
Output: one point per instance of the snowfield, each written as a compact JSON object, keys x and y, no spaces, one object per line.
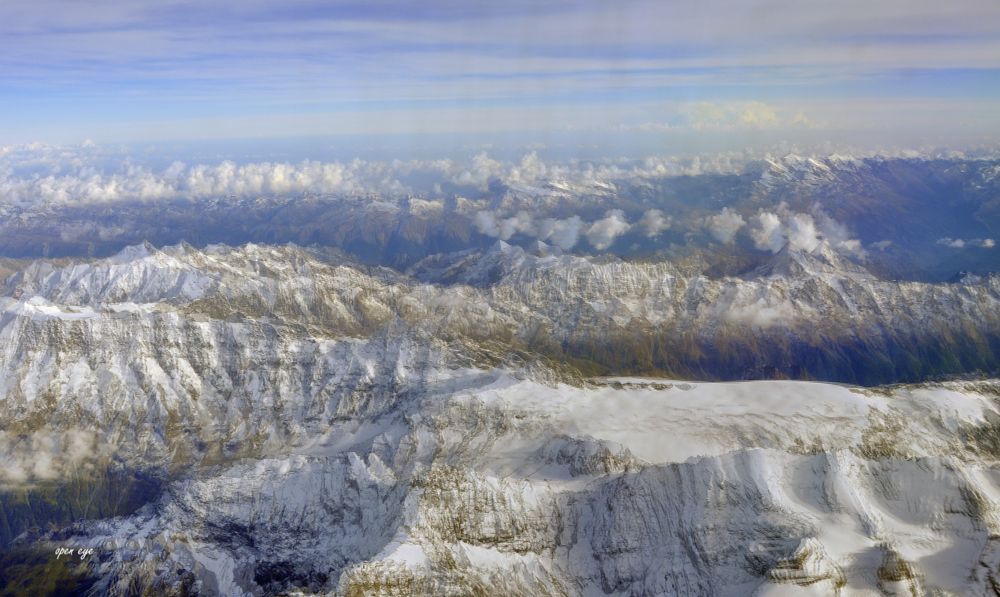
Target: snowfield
{"x":625,"y":486}
{"x":316,"y":427}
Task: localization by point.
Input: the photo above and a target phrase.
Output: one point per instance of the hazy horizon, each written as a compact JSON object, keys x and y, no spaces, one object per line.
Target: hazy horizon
{"x":635,"y":75}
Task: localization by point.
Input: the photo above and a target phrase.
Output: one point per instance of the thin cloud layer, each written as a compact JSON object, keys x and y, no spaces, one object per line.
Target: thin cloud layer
{"x":961,"y":243}
{"x":735,"y":116}
{"x":46,"y":455}
{"x":441,"y":66}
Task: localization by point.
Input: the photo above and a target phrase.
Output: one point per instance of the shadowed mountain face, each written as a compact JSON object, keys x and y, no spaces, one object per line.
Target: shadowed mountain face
{"x":802,"y":315}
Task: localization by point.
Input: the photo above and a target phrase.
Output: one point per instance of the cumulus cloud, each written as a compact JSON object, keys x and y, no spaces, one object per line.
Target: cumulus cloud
{"x":41,"y":174}
{"x":723,"y":226}
{"x":482,"y":169}
{"x":204,"y":181}
{"x":802,"y":232}
{"x":45,"y":174}
{"x":756,"y":114}
{"x":53,"y":174}
{"x":770,"y":231}
{"x":565,"y":233}
{"x":653,"y":222}
{"x":529,"y":170}
{"x":56,"y":174}
{"x":504,"y":228}
{"x":602,"y":233}
{"x":562,"y":233}
{"x":486,"y":223}
{"x":49,"y":180}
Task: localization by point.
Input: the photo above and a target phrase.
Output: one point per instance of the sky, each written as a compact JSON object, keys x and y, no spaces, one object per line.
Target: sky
{"x":443,"y":72}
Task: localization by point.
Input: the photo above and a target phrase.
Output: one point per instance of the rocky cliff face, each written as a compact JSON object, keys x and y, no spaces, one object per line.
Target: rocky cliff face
{"x":307,"y":424}
{"x":510,"y":487}
{"x":813,"y":315}
{"x":803,"y":315}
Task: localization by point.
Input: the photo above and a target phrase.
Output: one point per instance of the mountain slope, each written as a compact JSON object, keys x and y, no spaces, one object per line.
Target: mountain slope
{"x":263,"y":420}
{"x":778,"y":484}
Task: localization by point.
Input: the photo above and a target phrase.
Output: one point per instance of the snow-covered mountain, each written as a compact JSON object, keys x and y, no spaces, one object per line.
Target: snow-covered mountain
{"x":802,"y":314}
{"x":305,"y":423}
{"x":492,"y":484}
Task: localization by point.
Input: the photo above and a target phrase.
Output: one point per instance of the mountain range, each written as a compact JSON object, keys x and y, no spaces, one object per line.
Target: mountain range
{"x":274,"y":419}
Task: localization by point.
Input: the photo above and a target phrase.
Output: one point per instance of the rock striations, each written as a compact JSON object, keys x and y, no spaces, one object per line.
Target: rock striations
{"x":308,"y":425}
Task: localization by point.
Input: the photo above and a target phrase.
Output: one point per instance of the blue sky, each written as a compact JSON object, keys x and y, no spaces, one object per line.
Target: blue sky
{"x":137,"y":71}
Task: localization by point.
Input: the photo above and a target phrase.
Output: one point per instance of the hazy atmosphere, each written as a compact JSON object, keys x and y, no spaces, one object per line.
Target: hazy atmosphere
{"x":129,"y":71}
{"x":501,"y":299}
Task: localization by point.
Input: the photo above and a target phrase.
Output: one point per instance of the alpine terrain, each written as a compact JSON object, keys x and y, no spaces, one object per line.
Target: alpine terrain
{"x":270,"y":419}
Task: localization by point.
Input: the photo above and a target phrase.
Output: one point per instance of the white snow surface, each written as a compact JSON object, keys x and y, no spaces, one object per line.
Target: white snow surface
{"x":691,"y":419}
{"x":324,"y":428}
{"x":652,"y":487}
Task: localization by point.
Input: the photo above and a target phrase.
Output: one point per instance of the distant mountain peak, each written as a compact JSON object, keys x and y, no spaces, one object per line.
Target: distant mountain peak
{"x":797,"y":262}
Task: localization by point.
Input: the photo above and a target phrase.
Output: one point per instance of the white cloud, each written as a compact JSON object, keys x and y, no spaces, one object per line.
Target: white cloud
{"x":762,"y":313}
{"x":653,"y":222}
{"x":43,"y":174}
{"x":954,"y":243}
{"x":603,"y":232}
{"x":768,"y":233}
{"x":530,"y":170}
{"x":723,"y":226}
{"x":49,"y":174}
{"x":481,"y":171}
{"x":802,"y":233}
{"x":521,"y":223}
{"x":48,"y":455}
{"x":959,"y":243}
{"x":805,"y":232}
{"x":562,"y":233}
{"x":736,"y":116}
{"x":202,"y":181}
{"x":489,"y":224}
{"x":758,"y":115}
{"x":486,"y":223}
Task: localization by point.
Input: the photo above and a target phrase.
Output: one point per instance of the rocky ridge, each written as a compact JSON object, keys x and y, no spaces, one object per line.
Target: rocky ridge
{"x":328,"y":428}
